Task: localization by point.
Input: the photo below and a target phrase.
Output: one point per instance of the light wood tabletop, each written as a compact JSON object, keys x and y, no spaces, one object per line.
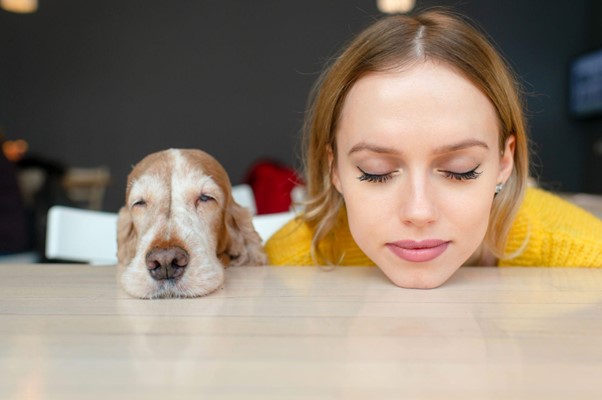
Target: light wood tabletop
{"x":69,"y":332}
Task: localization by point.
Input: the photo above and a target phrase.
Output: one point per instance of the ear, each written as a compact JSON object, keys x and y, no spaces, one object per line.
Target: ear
{"x":334,"y":172}
{"x":126,"y":237}
{"x":507,"y":160}
{"x":242,"y":244}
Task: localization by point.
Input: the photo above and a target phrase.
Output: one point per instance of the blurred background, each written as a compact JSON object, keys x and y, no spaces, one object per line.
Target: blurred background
{"x":88,"y":88}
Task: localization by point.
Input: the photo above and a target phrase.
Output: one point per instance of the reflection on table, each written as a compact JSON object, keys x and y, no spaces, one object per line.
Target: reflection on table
{"x":69,"y":332}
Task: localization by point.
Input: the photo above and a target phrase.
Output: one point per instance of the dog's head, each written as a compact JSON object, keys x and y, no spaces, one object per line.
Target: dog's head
{"x":180,"y":227}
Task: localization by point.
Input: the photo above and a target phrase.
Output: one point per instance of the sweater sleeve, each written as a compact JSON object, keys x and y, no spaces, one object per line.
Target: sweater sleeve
{"x":549,"y":231}
{"x":290,"y":245}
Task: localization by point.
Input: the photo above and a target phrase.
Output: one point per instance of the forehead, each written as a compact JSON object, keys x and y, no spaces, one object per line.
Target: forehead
{"x":429,"y":100}
{"x":182,"y":168}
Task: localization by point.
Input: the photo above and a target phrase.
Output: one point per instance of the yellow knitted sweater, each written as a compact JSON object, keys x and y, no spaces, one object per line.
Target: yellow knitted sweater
{"x":550,"y":231}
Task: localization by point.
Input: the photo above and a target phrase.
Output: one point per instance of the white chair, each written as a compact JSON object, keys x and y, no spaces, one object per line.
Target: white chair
{"x":243,"y":195}
{"x":75,"y":234}
{"x":267,"y":224}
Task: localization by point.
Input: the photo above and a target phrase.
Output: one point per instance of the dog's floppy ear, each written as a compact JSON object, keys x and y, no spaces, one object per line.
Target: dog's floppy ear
{"x":242,"y":243}
{"x":126,"y":237}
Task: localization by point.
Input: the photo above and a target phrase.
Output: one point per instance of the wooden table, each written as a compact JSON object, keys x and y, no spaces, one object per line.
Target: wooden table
{"x":68,"y":332}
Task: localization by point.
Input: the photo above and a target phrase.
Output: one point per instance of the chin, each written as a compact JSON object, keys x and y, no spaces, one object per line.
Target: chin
{"x":417,"y":280}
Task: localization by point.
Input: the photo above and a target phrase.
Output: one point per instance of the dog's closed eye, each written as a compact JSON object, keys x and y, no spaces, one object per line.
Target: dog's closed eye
{"x":139,"y":203}
{"x":204,"y":198}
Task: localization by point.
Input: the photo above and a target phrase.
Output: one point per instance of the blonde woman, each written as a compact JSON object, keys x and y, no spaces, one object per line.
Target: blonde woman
{"x":416,"y":159}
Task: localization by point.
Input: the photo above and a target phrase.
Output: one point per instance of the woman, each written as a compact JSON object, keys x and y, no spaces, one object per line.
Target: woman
{"x":417,"y":161}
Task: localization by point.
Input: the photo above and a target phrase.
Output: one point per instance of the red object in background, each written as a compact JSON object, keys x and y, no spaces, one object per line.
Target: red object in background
{"x":272,"y":183}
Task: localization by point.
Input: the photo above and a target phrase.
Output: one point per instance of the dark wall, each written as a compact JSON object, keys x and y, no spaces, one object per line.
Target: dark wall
{"x":106,"y":82}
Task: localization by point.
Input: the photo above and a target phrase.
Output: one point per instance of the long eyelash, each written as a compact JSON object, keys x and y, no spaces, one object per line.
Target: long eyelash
{"x":373,"y":177}
{"x":463,"y":176}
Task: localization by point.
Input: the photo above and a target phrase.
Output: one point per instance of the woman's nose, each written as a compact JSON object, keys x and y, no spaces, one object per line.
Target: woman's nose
{"x":418,"y":205}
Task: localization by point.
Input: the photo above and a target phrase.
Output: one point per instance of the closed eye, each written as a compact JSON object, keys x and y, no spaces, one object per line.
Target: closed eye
{"x":204,"y":198}
{"x":375,"y":178}
{"x":463,"y":176}
{"x":139,"y":203}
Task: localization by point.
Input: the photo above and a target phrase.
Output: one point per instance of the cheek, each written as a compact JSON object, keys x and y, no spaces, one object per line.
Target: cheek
{"x":466,"y":220}
{"x":469,"y":220}
{"x":139,"y":220}
{"x":371,"y":208}
{"x":368,"y":228}
{"x":206,"y":223}
{"x":469,"y":205}
{"x":218,"y":224}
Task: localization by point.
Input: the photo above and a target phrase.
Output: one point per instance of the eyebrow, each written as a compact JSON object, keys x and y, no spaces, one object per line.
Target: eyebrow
{"x":363,"y":146}
{"x":461,"y":146}
{"x":449,"y":148}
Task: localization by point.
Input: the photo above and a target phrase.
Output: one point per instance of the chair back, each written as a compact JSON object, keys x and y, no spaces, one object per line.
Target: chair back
{"x":267,"y":224}
{"x":243,"y":195}
{"x":75,"y":234}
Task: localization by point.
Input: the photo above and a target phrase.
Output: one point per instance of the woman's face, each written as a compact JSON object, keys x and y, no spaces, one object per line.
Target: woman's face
{"x":417,"y":162}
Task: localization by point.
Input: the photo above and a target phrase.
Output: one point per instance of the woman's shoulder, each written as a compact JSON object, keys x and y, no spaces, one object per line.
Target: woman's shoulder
{"x":550,"y":231}
{"x":556,"y":212}
{"x":291,"y":244}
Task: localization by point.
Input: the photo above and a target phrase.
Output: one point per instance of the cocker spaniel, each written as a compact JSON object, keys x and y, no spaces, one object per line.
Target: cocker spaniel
{"x":180,"y":227}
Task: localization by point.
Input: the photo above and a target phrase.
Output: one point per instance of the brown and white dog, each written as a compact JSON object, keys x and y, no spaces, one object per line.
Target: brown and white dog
{"x":180,"y":227}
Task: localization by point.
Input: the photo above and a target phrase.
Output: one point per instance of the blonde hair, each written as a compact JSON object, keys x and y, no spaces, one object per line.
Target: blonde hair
{"x":390,"y":43}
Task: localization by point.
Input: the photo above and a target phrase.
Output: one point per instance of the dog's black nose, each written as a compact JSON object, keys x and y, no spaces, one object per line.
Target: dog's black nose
{"x":166,"y":263}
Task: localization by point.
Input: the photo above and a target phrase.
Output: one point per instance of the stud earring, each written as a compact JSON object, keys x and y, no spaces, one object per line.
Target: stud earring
{"x":499,"y":187}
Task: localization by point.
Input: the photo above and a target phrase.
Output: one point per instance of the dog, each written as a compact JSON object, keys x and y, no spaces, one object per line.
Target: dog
{"x":180,"y":227}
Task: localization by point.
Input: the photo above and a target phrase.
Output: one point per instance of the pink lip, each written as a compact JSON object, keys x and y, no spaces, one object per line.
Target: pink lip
{"x":422,"y":251}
